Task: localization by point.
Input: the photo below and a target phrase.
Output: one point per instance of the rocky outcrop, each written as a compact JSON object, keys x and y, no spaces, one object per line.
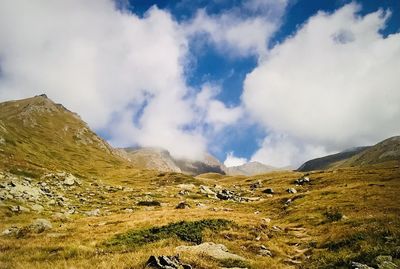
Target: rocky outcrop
{"x":216,"y":251}
{"x":166,"y":262}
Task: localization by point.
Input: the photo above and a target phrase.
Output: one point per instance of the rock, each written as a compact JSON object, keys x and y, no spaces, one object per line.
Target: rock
{"x":256,"y":185}
{"x":166,"y":262}
{"x":93,"y":213}
{"x":385,"y":262}
{"x":182,"y":205}
{"x":291,"y":190}
{"x":40,"y":225}
{"x":60,"y":217}
{"x":201,"y":205}
{"x":264,"y":251}
{"x":10,"y":231}
{"x":230,"y":195}
{"x":187,"y":187}
{"x":19,"y":209}
{"x":69,"y":180}
{"x":216,"y":251}
{"x":183,"y":192}
{"x":206,"y":190}
{"x":37,"y":208}
{"x":266,"y":220}
{"x":302,"y":181}
{"x":383,"y":258}
{"x":268,"y":191}
{"x":356,"y":265}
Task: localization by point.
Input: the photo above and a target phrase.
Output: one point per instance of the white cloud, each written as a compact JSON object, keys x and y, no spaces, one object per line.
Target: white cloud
{"x":333,"y":85}
{"x":237,"y":34}
{"x":216,"y":113}
{"x":231,"y":160}
{"x":104,"y":64}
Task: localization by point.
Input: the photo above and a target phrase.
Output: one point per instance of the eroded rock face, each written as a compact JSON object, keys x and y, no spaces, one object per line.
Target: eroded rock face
{"x":166,"y":262}
{"x":216,"y":251}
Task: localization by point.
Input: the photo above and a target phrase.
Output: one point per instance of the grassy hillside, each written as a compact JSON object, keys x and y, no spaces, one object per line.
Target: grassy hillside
{"x":37,"y":135}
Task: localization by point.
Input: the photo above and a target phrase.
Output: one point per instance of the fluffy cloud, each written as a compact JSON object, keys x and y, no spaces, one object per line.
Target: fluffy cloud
{"x":232,"y":160}
{"x":108,"y":65}
{"x":332,"y":85}
{"x":240,"y":32}
{"x":216,"y":113}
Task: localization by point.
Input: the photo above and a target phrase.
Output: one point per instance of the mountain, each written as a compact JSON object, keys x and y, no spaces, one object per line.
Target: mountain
{"x":161,"y":160}
{"x":152,"y":158}
{"x":385,"y":151}
{"x":209,"y":164}
{"x":250,"y":169}
{"x":37,"y":134}
{"x":330,"y":160}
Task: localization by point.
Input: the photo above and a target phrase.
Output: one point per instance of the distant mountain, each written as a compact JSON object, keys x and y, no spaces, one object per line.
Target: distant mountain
{"x":152,"y":158}
{"x":38,"y":134}
{"x":161,"y":160}
{"x":250,"y":169}
{"x":330,"y":160}
{"x":385,"y":151}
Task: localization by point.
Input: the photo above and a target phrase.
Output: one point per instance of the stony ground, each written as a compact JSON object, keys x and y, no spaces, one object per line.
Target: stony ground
{"x":327,"y":219}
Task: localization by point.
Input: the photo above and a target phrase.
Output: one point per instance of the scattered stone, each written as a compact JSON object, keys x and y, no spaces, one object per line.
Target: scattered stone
{"x":291,"y":190}
{"x":230,"y":195}
{"x":166,"y":262}
{"x":356,"y":265}
{"x":40,"y":225}
{"x":149,"y":203}
{"x":268,"y":191}
{"x":266,"y":220}
{"x":183,"y":192}
{"x":187,"y":187}
{"x":37,"y":208}
{"x":182,"y":205}
{"x":206,"y":190}
{"x":256,"y":185}
{"x":201,"y":205}
{"x":216,"y":251}
{"x":19,"y":209}
{"x":302,"y":181}
{"x":93,"y":213}
{"x":385,"y":262}
{"x":60,"y":217}
{"x":10,"y":231}
{"x":264,"y":251}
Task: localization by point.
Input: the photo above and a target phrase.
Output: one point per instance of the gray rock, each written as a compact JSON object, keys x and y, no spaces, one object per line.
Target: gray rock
{"x":40,"y":225}
{"x":69,"y":180}
{"x":269,"y":191}
{"x":182,"y":205}
{"x":356,"y":265}
{"x":256,"y":185}
{"x":166,"y":262}
{"x":93,"y":213}
{"x":302,"y":181}
{"x":206,"y":190}
{"x":291,"y":190}
{"x":37,"y":208}
{"x":216,"y":251}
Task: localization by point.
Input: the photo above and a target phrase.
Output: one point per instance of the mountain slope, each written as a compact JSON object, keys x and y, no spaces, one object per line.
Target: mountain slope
{"x":161,"y":160}
{"x":330,"y":160}
{"x":249,"y":169}
{"x":385,"y":151}
{"x":36,"y":134}
{"x":152,"y":158}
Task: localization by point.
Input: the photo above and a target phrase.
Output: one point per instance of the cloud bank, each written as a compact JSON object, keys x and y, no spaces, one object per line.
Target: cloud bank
{"x":332,"y":85}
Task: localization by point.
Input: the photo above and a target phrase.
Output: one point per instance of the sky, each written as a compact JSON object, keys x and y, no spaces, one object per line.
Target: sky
{"x":274,"y":81}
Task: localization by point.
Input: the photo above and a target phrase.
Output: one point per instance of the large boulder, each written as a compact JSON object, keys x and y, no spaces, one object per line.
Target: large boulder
{"x":216,"y":251}
{"x":40,"y":225}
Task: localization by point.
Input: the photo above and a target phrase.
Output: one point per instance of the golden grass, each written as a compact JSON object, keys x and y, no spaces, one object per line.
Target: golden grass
{"x":368,"y":198}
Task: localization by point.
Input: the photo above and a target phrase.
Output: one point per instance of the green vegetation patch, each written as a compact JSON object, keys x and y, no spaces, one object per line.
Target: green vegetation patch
{"x":190,"y":231}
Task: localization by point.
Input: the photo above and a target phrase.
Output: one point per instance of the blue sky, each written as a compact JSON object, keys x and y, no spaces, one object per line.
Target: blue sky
{"x":211,"y":65}
{"x":274,"y":81}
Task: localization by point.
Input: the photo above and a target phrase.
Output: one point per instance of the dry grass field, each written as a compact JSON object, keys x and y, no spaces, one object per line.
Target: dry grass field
{"x":342,"y":215}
